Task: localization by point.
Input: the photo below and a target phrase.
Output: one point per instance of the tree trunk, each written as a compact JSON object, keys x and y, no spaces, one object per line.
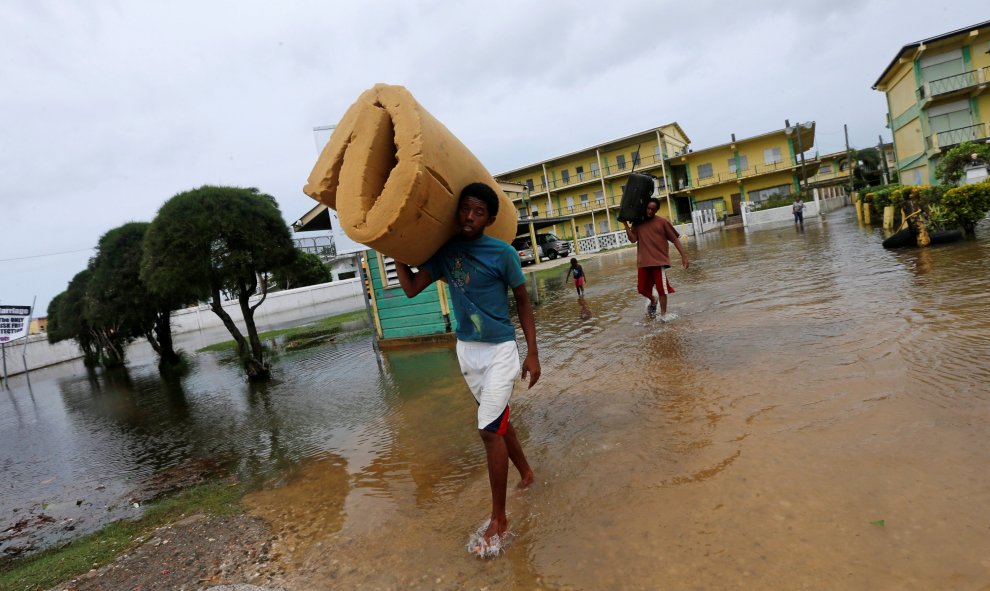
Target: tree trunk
{"x":163,"y":331}
{"x":915,"y":222}
{"x":217,"y":306}
{"x":255,"y":368}
{"x":256,"y":363}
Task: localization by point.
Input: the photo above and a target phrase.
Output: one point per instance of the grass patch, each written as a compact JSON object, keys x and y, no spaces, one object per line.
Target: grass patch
{"x":320,"y":326}
{"x":49,"y":567}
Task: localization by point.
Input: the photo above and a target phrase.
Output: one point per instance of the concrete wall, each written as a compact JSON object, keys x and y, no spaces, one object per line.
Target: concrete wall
{"x":282,"y":307}
{"x":332,"y":298}
{"x":781,"y":215}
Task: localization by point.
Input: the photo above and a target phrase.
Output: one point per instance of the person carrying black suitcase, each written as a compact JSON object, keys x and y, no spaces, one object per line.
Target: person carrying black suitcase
{"x":652,"y":256}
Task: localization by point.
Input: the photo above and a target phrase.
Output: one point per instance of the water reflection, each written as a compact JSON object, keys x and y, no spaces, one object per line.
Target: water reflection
{"x":810,"y":384}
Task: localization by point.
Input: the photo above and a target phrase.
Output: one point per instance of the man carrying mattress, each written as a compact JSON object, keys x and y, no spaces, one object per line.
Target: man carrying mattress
{"x":479,"y":270}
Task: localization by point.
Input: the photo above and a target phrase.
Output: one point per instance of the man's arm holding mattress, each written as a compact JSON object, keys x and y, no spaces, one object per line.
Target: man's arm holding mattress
{"x":412,"y":283}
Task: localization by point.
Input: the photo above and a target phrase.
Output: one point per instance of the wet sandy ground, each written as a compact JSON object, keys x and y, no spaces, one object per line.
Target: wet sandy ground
{"x":814,"y":417}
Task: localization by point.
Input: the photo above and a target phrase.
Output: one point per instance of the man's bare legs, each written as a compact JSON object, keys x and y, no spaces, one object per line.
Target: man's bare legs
{"x":518,"y":458}
{"x":499,"y":449}
{"x":663,"y":305}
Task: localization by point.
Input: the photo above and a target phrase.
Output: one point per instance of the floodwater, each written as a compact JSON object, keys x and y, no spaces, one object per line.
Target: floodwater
{"x":814,"y":416}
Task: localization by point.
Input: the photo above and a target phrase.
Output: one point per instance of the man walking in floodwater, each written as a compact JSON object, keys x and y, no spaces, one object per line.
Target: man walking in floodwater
{"x":479,"y":270}
{"x":652,"y":256}
{"x":798,"y":210}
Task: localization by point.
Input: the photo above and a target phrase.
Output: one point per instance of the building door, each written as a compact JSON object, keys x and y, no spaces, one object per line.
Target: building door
{"x":735,"y":203}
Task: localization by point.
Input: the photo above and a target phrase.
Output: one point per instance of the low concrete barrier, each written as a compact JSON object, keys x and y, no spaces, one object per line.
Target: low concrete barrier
{"x":281,"y":307}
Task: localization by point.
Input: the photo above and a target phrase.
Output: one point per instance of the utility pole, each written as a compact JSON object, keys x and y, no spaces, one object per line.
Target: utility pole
{"x":883,"y":160}
{"x":852,"y":165}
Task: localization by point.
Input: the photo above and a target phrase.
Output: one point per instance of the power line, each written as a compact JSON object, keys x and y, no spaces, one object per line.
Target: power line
{"x":51,"y":254}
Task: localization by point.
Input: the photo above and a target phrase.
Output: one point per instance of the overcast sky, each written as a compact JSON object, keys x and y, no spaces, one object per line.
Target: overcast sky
{"x":107,"y":109}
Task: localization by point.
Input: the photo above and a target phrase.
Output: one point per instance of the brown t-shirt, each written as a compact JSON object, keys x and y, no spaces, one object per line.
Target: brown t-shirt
{"x":652,"y":236}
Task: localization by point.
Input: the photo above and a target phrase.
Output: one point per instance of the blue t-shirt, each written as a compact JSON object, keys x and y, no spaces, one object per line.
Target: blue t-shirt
{"x":479,"y":273}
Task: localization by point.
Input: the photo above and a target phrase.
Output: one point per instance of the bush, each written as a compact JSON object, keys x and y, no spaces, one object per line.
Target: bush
{"x":882,"y":196}
{"x":950,"y":167}
{"x":966,"y":205}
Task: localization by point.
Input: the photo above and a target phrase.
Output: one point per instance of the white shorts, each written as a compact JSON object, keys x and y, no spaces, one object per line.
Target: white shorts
{"x":490,"y":370}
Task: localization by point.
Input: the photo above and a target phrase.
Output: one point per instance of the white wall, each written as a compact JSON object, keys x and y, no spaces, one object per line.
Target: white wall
{"x":779,"y":215}
{"x":315,"y":301}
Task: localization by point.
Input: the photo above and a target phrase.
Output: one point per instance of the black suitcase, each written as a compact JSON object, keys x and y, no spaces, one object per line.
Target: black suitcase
{"x":636,"y":194}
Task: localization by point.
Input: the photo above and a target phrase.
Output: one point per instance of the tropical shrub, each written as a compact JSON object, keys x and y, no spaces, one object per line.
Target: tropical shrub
{"x":966,"y":205}
{"x":950,"y":168}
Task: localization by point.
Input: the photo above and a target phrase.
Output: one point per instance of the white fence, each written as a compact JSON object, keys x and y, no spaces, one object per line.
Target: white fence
{"x":610,"y":240}
{"x":314,"y":301}
{"x":705,"y":220}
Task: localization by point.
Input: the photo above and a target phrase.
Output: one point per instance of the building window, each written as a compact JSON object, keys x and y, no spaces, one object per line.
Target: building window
{"x":579,"y":172}
{"x":599,"y":198}
{"x":763,"y":194}
{"x":604,"y":227}
{"x":705,"y":170}
{"x":772,"y":155}
{"x":584,"y":200}
{"x":565,"y":176}
{"x":620,"y":162}
{"x":589,"y":229}
{"x":656,"y":152}
{"x":594,"y":170}
{"x":543,"y":179}
{"x":535,"y":211}
{"x":825,"y":169}
{"x":635,"y":158}
{"x":529,"y":184}
{"x":522,"y":212}
{"x":743,"y":164}
{"x":570,"y":203}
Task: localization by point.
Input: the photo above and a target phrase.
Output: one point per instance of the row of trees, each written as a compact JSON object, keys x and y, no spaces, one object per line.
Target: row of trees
{"x":203,"y":244}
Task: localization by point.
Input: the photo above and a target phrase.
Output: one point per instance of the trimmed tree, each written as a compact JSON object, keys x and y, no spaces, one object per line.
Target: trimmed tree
{"x":304,"y":269}
{"x":219,"y":240}
{"x":67,"y":318}
{"x":121,"y":302}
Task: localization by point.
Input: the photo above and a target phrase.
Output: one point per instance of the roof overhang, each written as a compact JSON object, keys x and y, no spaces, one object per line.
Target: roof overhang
{"x":317,"y":218}
{"x":522,"y":226}
{"x":919,"y":47}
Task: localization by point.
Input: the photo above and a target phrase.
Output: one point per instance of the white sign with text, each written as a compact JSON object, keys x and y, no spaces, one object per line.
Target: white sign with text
{"x":14,"y":322}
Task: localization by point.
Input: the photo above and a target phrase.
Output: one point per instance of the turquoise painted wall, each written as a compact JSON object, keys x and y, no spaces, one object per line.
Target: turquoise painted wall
{"x":407,"y":317}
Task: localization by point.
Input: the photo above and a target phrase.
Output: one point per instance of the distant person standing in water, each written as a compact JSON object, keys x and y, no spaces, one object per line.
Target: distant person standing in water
{"x":578,"y":272}
{"x":798,"y":210}
{"x":652,"y":256}
{"x":480,"y":270}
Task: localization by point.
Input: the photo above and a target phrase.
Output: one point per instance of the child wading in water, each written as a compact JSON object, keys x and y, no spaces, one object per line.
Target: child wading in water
{"x":578,"y":273}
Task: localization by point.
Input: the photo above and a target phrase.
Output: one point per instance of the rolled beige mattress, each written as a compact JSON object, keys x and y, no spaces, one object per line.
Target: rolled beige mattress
{"x":394,"y":174}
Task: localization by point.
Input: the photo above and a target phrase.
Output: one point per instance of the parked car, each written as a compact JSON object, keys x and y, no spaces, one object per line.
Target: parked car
{"x":525,"y":250}
{"x":552,"y":247}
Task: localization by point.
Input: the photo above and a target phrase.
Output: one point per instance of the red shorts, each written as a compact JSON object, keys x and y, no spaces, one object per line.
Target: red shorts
{"x":649,"y":277}
{"x":579,"y":282}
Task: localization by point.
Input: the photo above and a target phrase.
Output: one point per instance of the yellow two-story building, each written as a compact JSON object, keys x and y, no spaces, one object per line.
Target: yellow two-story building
{"x":752,"y":169}
{"x":587,"y":185}
{"x":937,"y":98}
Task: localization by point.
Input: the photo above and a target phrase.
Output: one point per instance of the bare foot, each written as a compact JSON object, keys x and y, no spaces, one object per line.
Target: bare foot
{"x":526,"y":480}
{"x":490,"y":543}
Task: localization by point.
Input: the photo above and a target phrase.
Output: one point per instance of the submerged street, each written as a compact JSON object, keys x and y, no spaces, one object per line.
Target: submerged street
{"x":814,"y":415}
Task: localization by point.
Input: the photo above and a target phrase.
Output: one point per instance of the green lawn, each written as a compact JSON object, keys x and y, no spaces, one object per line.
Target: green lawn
{"x":331,"y":323}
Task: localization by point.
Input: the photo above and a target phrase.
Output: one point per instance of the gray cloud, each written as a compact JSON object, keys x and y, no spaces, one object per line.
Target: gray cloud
{"x":109,"y":108}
